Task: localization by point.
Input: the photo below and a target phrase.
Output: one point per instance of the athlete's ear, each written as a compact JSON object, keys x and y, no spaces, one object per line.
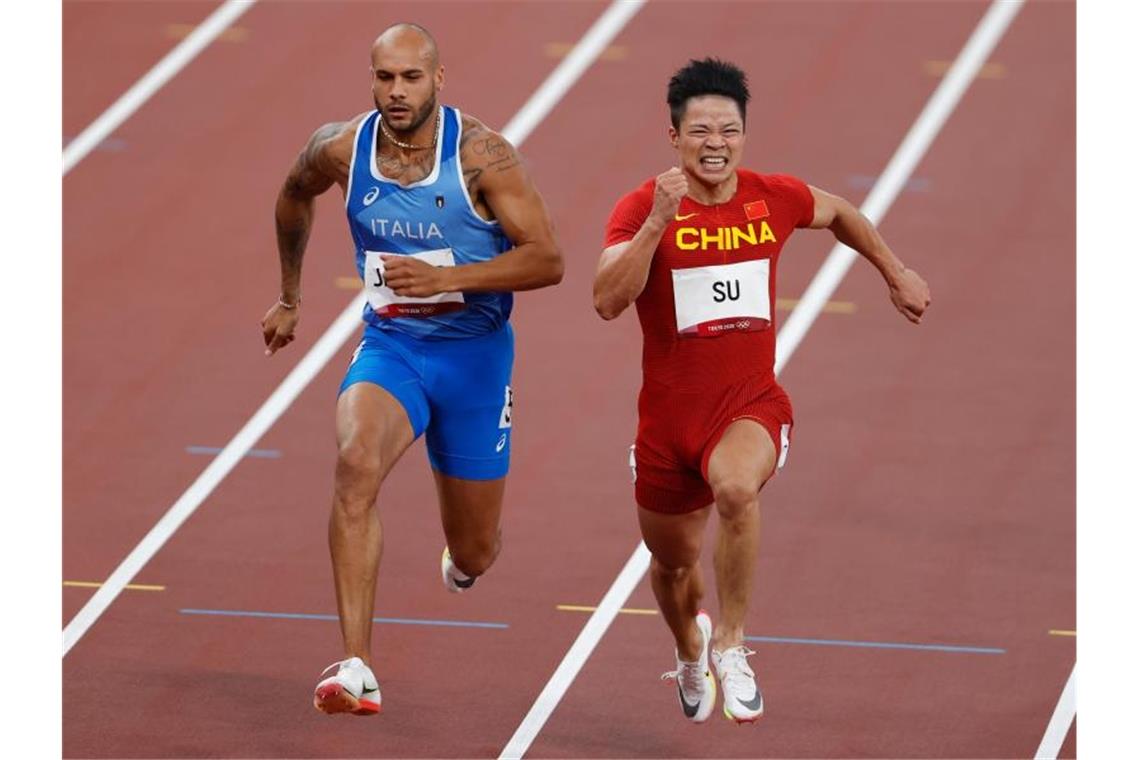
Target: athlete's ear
{"x":439,"y":77}
{"x":673,"y":135}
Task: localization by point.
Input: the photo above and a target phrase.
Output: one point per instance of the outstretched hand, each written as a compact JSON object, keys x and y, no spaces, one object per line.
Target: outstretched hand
{"x":411,"y":278}
{"x":910,"y":294}
{"x":277,"y":327}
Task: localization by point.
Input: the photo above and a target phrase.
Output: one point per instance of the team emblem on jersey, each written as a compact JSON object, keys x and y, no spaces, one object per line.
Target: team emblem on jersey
{"x":756,"y":210}
{"x":439,"y":201}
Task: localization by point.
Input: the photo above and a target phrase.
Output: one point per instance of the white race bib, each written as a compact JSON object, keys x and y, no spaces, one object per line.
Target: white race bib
{"x":713,"y":300}
{"x":387,"y":304}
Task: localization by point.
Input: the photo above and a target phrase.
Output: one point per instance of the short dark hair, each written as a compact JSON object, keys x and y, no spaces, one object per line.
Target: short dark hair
{"x":710,"y":76}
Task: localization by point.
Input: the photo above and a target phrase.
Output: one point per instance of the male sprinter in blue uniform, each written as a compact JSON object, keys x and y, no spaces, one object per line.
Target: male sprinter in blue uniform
{"x":447,"y":223}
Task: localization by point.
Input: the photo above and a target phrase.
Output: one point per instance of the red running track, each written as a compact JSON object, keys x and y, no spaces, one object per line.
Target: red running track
{"x":929,"y":497}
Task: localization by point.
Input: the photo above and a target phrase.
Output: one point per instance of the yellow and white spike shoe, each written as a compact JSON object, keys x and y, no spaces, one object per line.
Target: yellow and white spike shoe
{"x":743,"y":702}
{"x":696,"y":687}
{"x":454,"y":579}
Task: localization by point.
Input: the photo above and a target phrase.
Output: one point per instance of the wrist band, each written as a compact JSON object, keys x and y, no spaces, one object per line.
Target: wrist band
{"x":282,"y":304}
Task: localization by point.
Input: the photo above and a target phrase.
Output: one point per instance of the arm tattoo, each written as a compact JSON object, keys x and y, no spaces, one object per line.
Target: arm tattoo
{"x":312,"y":173}
{"x":505,"y":163}
{"x":484,"y":151}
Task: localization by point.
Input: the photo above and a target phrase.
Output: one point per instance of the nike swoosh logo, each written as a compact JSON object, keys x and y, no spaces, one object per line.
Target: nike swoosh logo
{"x":754,"y":703}
{"x":689,"y":710}
{"x":680,"y":218}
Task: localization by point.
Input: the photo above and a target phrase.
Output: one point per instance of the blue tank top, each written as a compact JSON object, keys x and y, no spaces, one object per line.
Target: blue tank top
{"x":432,"y":214}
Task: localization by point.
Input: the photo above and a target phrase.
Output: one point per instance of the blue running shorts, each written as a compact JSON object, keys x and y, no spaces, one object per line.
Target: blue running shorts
{"x":458,"y":391}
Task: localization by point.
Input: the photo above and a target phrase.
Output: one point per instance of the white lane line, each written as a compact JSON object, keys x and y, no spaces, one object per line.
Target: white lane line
{"x":914,"y":146}
{"x":152,"y":81}
{"x":596,"y":39}
{"x":559,"y":82}
{"x":894,"y":178}
{"x":1063,"y":715}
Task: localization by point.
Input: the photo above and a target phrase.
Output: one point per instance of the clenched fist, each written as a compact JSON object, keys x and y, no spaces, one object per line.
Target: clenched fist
{"x":671,"y":188}
{"x":910,"y":294}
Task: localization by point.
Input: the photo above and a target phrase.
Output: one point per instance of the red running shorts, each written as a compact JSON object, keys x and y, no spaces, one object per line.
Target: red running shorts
{"x":678,"y":430}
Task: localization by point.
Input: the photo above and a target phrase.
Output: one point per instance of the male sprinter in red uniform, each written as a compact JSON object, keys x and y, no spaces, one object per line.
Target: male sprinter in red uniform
{"x":696,"y":248}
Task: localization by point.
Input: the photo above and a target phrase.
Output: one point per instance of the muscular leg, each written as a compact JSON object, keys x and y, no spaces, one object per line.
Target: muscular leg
{"x":742,"y":461}
{"x":675,"y":572}
{"x":372,"y":431}
{"x":470,"y":511}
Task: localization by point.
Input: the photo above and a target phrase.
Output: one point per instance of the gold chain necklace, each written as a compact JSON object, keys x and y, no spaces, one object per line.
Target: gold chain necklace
{"x":409,"y":146}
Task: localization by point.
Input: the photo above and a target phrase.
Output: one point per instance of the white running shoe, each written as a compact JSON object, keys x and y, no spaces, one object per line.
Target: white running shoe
{"x":353,"y":689}
{"x":696,"y":687}
{"x":454,"y":579}
{"x":742,"y":699}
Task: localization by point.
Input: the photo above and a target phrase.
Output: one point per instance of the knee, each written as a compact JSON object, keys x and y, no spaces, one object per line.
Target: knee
{"x":475,"y":557}
{"x":357,"y":475}
{"x":736,"y":497}
{"x":671,"y":573}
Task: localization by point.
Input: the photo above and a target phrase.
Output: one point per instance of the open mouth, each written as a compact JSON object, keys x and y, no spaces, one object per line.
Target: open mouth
{"x":714,"y":163}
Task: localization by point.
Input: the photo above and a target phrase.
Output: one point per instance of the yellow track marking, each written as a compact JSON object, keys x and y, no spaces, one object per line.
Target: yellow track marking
{"x":231,"y":34}
{"x":988,"y":71}
{"x":562,"y":49}
{"x":831,"y":307}
{"x":1062,"y":633}
{"x":578,"y":608}
{"x":129,"y":586}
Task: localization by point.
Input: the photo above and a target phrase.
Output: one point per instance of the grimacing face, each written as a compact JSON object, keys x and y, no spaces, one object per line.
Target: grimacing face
{"x":405,"y":81}
{"x":710,"y":139}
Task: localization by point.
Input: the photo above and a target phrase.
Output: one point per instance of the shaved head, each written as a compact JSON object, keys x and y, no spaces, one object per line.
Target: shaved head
{"x":406,"y":77}
{"x":408,"y":35}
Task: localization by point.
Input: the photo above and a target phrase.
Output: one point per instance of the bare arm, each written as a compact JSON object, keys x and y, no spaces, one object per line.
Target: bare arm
{"x":624,"y":268}
{"x":909,"y":292}
{"x":319,"y":165}
{"x":496,"y":179}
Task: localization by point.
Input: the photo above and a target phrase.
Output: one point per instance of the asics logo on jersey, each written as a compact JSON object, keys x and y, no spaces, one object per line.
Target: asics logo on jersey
{"x":502,"y":443}
{"x":723,"y":238}
{"x":372,"y":195}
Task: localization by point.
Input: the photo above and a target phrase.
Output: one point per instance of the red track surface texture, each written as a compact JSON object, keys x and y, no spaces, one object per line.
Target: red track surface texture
{"x":929,"y":496}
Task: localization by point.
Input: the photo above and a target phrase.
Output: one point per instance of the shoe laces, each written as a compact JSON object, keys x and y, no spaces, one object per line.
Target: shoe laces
{"x":691,"y":677}
{"x":734,"y":670}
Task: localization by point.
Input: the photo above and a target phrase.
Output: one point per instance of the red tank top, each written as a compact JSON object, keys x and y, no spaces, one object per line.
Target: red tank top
{"x":708,"y":308}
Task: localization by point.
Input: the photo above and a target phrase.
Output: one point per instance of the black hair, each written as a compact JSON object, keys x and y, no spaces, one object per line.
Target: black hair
{"x":710,"y":76}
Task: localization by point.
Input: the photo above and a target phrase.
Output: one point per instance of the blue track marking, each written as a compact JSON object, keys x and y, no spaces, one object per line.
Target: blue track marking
{"x":256,"y":453}
{"x":876,"y":645}
{"x":308,"y":616}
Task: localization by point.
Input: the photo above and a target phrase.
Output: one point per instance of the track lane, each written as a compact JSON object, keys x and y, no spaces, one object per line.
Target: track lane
{"x":108,"y":46}
{"x":143,"y":631}
{"x":828,"y":517}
